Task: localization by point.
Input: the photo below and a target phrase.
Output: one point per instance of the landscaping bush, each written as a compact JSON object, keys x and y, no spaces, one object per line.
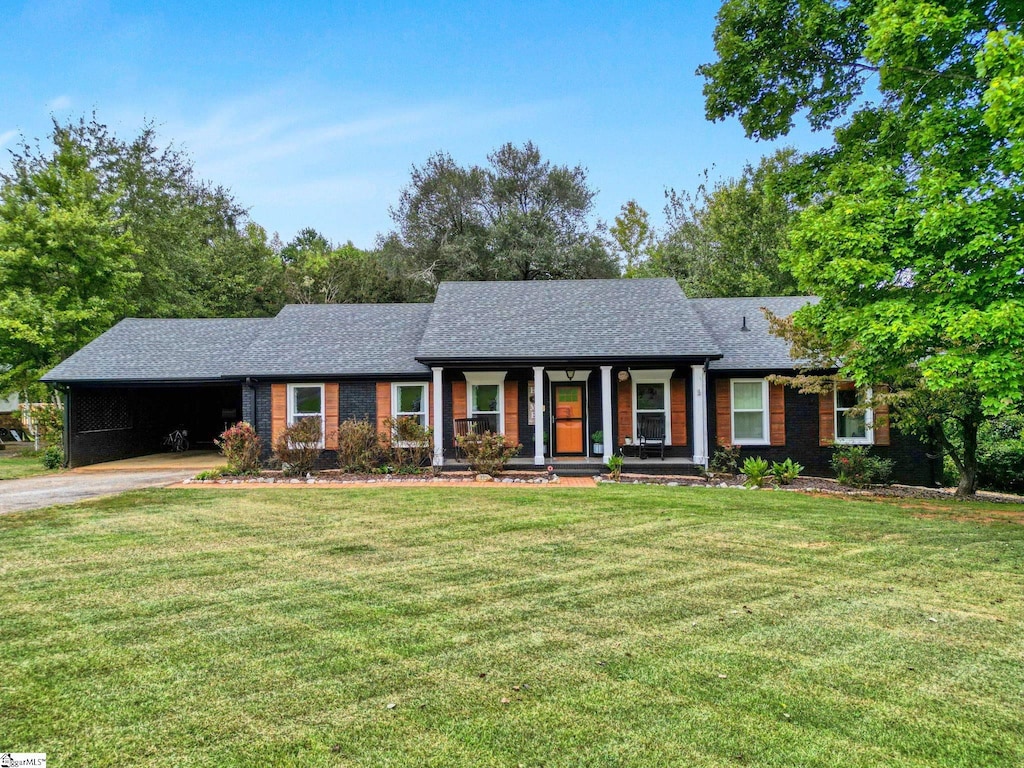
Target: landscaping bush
{"x":298,"y":447}
{"x":359,"y":446}
{"x":487,"y":453}
{"x":241,"y":447}
{"x":48,"y":421}
{"x":615,"y":463}
{"x":856,"y":467}
{"x":725,"y":460}
{"x":410,"y":444}
{"x":786,"y":472}
{"x":756,"y":471}
{"x":53,"y":457}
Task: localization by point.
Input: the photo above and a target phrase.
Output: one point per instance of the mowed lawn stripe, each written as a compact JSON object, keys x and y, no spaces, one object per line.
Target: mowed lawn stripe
{"x":620,"y":625}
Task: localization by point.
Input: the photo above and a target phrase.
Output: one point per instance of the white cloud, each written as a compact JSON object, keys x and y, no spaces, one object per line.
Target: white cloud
{"x":59,"y":104}
{"x":6,"y":136}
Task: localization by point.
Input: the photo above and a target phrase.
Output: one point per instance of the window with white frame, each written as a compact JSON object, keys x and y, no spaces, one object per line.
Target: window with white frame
{"x":853,"y":420}
{"x":750,"y":412}
{"x":306,"y":401}
{"x":651,"y":399}
{"x":486,"y":395}
{"x":409,"y":401}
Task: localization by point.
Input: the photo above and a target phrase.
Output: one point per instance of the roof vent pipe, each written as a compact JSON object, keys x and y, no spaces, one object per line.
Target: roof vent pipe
{"x":744,"y":328}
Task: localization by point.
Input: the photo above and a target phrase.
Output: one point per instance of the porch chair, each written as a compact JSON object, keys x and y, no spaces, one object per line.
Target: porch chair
{"x":651,"y":434}
{"x":463,"y":427}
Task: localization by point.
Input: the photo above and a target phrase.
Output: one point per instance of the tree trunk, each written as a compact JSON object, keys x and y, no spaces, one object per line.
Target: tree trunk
{"x":968,"y":485}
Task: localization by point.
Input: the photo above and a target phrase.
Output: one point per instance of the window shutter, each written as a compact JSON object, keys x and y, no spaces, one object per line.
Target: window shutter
{"x":511,"y":412}
{"x":331,"y":416}
{"x":723,"y":412}
{"x":881,"y":416}
{"x":625,"y":411}
{"x":459,"y":409}
{"x":278,"y":411}
{"x":826,"y":418}
{"x":777,"y":413}
{"x":677,"y":404}
{"x":383,"y":406}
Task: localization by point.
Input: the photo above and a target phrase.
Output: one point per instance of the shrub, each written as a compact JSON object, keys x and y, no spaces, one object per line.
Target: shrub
{"x":241,"y":447}
{"x":615,"y":463}
{"x":298,"y":447}
{"x":786,"y":472}
{"x":725,"y":460}
{"x":487,"y":452}
{"x":410,"y":444}
{"x":855,"y":466}
{"x":359,"y":446}
{"x":756,"y":471}
{"x":48,"y":421}
{"x":211,"y":474}
{"x":53,"y":457}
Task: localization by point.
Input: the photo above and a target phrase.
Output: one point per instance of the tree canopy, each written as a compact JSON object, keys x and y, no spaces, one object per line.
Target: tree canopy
{"x":67,"y":263}
{"x":912,"y":237}
{"x":727,"y":240}
{"x":518,"y":218}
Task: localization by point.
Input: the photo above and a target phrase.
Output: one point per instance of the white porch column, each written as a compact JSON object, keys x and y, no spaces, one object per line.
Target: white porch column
{"x":700,"y":415}
{"x":606,"y":412}
{"x":437,"y":419}
{"x":538,"y":415}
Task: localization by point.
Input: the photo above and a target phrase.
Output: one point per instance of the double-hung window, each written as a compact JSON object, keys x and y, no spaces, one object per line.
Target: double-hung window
{"x":651,"y":399}
{"x":750,"y":412}
{"x":306,"y":401}
{"x":487,"y":399}
{"x":853,"y":420}
{"x":409,"y":401}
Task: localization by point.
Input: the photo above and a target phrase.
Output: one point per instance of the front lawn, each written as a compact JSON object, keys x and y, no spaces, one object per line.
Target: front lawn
{"x":16,"y":464}
{"x":616,"y":626}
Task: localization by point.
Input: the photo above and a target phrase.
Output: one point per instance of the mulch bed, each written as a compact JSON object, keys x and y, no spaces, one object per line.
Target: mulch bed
{"x":801,"y":484}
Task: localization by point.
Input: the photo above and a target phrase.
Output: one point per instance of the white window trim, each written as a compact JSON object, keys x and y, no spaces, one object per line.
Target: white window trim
{"x":291,"y":406}
{"x":869,"y":422}
{"x":654,"y":376}
{"x":475,"y":378}
{"x":395,"y":402}
{"x":767,"y":439}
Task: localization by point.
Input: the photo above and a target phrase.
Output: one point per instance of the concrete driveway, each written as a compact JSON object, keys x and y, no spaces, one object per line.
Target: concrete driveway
{"x":74,"y":486}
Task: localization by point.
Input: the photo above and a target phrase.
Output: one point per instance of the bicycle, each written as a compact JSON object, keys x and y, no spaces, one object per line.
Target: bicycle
{"x":177,"y":440}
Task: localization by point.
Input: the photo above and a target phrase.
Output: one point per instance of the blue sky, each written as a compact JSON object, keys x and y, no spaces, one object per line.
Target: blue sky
{"x":312,"y":113}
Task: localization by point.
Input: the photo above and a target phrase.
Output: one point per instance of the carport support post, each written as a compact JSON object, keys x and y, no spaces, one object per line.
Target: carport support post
{"x":538,"y":415}
{"x":438,"y":417}
{"x":700,"y":415}
{"x":606,"y":411}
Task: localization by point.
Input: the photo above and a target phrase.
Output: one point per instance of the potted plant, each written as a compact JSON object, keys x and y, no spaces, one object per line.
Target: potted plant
{"x":598,"y":438}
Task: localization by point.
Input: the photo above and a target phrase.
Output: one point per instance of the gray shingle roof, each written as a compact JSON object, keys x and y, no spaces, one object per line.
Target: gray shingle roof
{"x":554,"y":319}
{"x":161,"y":350}
{"x":753,"y":349}
{"x":338,"y":339}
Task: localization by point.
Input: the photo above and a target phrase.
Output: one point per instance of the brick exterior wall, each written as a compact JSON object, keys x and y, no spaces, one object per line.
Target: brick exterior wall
{"x":912,"y":464}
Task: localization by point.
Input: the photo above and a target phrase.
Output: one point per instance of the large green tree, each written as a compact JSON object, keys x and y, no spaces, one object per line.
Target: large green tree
{"x":195,"y":245}
{"x":913,"y":238}
{"x":518,"y":218}
{"x":727,"y":239}
{"x":317,"y":272}
{"x":67,"y":264}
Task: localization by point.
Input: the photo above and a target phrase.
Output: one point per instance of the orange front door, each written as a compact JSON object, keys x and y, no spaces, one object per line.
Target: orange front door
{"x":569,"y":419}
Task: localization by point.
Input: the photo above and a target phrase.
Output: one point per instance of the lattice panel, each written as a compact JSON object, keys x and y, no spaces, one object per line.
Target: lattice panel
{"x":102,"y":411}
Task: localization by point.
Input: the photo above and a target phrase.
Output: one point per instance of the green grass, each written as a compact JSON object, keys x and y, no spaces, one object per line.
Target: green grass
{"x":15,"y":465}
{"x":625,"y":626}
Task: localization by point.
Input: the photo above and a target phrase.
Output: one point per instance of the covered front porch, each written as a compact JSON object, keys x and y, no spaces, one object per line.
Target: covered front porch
{"x":575,"y":414}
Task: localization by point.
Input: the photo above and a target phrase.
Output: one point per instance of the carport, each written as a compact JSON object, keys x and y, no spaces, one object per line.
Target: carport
{"x":108,"y":422}
{"x":128,"y":389}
